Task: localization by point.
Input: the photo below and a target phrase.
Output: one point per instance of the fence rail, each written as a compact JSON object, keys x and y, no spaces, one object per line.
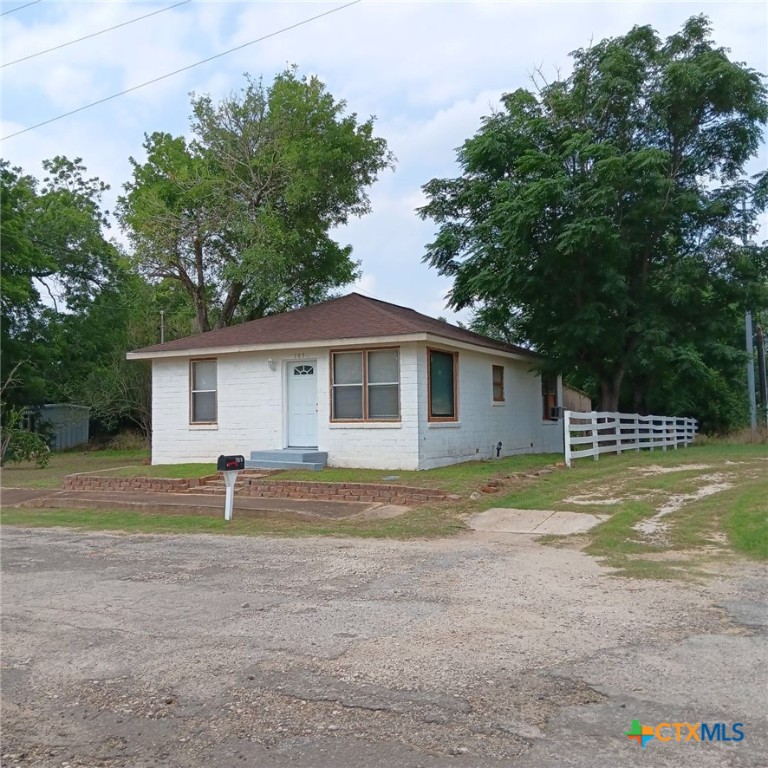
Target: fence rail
{"x":590,"y":434}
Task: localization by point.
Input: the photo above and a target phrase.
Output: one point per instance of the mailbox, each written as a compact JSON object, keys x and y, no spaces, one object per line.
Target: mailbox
{"x":230,"y":463}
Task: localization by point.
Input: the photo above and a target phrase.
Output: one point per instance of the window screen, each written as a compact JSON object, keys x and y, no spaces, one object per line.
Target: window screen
{"x":498,"y":383}
{"x":366,"y":385}
{"x":203,"y":391}
{"x":442,"y":385}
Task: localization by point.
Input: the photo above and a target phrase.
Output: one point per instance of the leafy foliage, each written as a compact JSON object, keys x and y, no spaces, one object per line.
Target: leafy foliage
{"x":16,"y":443}
{"x":71,"y":304}
{"x":19,"y":444}
{"x":600,"y":218}
{"x":240,"y":216}
{"x":52,"y":241}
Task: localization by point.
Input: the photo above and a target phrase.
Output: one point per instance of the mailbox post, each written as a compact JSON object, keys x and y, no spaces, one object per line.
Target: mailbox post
{"x":229,"y":466}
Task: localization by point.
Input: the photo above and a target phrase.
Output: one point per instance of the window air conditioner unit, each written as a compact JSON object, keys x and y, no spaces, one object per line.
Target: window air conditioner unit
{"x":556,"y":412}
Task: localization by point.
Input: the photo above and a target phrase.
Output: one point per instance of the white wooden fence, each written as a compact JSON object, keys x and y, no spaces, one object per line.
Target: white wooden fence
{"x":590,"y":434}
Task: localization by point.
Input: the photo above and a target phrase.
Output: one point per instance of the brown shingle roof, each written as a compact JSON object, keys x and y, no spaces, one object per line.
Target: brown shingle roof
{"x":348,"y":317}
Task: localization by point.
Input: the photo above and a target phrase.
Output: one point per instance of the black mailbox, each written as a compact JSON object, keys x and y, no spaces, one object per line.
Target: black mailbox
{"x":230,"y":463}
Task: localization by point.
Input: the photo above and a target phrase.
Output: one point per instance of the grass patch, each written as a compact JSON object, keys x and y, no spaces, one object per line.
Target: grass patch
{"x":457,"y":478}
{"x":699,"y":528}
{"x":65,"y":463}
{"x":711,"y":528}
{"x":616,"y":536}
{"x":164,"y":471}
{"x":419,"y":523}
{"x":746,"y":524}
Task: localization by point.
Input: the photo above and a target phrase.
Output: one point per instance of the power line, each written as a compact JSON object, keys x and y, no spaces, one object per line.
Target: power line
{"x":93,"y":34}
{"x":19,"y":7}
{"x":184,"y":69}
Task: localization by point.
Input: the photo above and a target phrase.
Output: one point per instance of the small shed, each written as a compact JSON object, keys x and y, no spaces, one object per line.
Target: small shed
{"x":576,"y":400}
{"x":67,"y":423}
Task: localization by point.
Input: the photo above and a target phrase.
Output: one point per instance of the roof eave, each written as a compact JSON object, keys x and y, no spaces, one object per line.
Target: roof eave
{"x":289,"y":345}
{"x":431,"y":338}
{"x":434,"y":338}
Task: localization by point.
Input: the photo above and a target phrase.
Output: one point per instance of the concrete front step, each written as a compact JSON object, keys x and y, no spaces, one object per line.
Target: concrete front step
{"x":288,"y":458}
{"x":315,"y":466}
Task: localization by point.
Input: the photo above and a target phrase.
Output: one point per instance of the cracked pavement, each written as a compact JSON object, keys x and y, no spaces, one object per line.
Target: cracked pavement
{"x":473,"y":651}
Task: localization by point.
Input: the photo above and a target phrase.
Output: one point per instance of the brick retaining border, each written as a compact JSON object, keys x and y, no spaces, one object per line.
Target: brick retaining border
{"x":85,"y":482}
{"x":373,"y":492}
{"x":267,"y":488}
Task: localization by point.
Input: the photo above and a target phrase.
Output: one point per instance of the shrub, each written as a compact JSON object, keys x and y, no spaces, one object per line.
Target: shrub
{"x":18,"y":444}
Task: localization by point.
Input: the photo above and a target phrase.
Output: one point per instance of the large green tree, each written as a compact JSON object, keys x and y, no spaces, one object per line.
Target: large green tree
{"x":72,"y":303}
{"x":55,"y":258}
{"x":240,"y":216}
{"x":600,"y":217}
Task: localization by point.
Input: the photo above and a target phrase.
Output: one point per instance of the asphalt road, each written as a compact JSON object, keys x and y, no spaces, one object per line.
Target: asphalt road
{"x":142,"y":651}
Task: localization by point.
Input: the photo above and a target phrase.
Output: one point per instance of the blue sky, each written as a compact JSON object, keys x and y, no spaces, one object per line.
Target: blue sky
{"x":427,"y":70}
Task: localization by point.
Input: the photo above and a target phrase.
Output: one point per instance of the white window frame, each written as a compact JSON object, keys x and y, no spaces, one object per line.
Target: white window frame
{"x":193,"y":391}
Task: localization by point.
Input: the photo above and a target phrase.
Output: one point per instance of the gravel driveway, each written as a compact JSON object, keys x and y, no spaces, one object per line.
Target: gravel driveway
{"x":471,"y":651}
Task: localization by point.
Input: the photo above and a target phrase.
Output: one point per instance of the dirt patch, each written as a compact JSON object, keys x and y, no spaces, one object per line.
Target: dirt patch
{"x":595,"y":499}
{"x":655,"y":469}
{"x":654,"y":526}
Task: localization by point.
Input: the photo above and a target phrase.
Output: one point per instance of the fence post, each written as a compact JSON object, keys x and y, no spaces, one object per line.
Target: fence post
{"x":617,"y":432}
{"x":567,"y":437}
{"x":595,"y":442}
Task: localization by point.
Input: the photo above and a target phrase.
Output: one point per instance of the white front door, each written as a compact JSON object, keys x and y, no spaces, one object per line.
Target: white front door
{"x":302,"y":405}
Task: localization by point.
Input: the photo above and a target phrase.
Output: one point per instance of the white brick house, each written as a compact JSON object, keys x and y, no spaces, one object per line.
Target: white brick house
{"x":368,"y":383}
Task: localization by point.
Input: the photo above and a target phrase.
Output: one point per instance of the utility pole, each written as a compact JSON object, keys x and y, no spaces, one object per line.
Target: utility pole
{"x":762,"y":385}
{"x":748,"y":334}
{"x":162,"y":326}
{"x":750,"y":371}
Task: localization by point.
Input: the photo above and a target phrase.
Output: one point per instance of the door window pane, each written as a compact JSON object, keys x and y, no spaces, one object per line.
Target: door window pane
{"x":441,"y":385}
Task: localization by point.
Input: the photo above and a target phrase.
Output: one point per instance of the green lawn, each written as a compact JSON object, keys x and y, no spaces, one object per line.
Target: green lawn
{"x":418,"y":523}
{"x":66,"y":463}
{"x":164,"y":470}
{"x":632,"y":488}
{"x":702,"y":529}
{"x":458,"y":478}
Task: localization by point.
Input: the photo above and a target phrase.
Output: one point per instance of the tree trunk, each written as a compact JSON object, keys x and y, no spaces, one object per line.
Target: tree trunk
{"x":610,"y":389}
{"x":199,"y":297}
{"x":230,"y":304}
{"x":201,"y":310}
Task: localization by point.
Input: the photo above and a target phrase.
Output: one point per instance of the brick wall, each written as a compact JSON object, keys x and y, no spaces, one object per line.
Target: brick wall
{"x":373,"y":492}
{"x":268,"y":488}
{"x":140,"y":484}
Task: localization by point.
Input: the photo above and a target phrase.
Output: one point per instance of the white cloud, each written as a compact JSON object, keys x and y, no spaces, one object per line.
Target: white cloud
{"x":428,"y":70}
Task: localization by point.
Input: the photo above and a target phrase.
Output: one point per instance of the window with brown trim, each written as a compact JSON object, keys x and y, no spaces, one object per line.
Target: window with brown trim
{"x":549,"y":396}
{"x":202,"y":391}
{"x":498,"y":383}
{"x":441,"y":385}
{"x":365,"y":385}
